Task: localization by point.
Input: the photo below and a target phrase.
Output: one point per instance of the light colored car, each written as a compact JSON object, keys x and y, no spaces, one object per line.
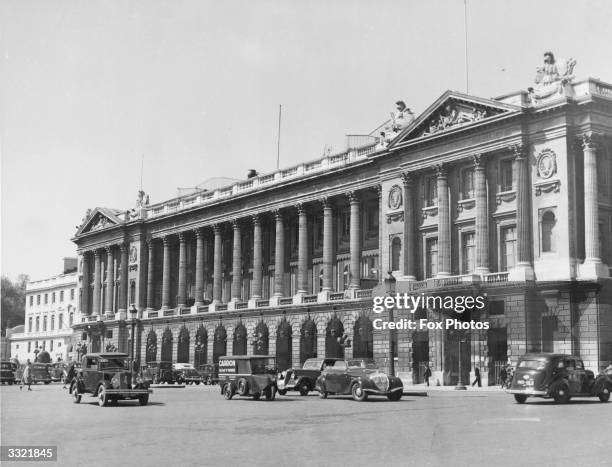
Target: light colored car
{"x":186,"y":373}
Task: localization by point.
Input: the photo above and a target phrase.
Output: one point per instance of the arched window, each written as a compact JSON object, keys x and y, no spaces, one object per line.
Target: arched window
{"x":30,"y":324}
{"x":240,"y":340}
{"x":60,"y":321}
{"x":37,"y":323}
{"x":44,"y":323}
{"x":182,"y":353}
{"x":260,"y":345}
{"x":200,"y":347}
{"x":166,"y":347}
{"x":396,"y":250}
{"x":220,"y":343}
{"x":283,"y":345}
{"x":308,"y":341}
{"x":363,"y":338}
{"x":333,"y":336}
{"x":52,"y":323}
{"x":151,"y":346}
{"x":548,"y":226}
{"x":71,"y":319}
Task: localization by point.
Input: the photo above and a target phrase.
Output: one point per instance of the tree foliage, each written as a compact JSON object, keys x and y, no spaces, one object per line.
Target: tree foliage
{"x":13,"y":301}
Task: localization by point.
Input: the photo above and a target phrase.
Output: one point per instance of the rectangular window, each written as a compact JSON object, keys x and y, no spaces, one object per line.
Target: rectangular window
{"x":38,"y":299}
{"x":37,"y":323}
{"x":51,"y":346}
{"x":61,"y":295}
{"x":496,"y":307}
{"x":53,"y":297}
{"x":505,"y":175}
{"x":46,"y":298}
{"x":467,"y":183}
{"x":60,"y":321}
{"x":508,"y":248}
{"x":71,"y":294}
{"x":431,"y":191}
{"x":30,"y":324}
{"x":346,"y":224}
{"x":31,"y":300}
{"x":468,"y":253}
{"x":109,"y":334}
{"x":431,"y":264}
{"x":29,"y":347}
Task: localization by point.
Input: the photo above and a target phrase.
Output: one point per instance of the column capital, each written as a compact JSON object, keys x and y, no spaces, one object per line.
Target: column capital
{"x":441,"y":170}
{"x":325,"y":202}
{"x":123,"y":246}
{"x":519,"y":151}
{"x":589,"y":141}
{"x":278,"y":215}
{"x":235,"y":224}
{"x":182,"y":236}
{"x":166,"y":240}
{"x":216,"y":229}
{"x":108,"y":249}
{"x":256,"y":218}
{"x":300,"y":208}
{"x":407,"y":179}
{"x":97,"y":252}
{"x":149,"y":242}
{"x":352,"y":196}
{"x":198,"y":232}
{"x":479,"y":160}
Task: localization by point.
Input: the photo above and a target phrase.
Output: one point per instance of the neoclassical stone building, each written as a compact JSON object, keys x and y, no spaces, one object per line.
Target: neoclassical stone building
{"x":507,"y":198}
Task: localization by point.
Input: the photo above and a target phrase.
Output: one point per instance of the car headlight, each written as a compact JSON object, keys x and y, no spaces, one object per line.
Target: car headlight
{"x":116,"y":382}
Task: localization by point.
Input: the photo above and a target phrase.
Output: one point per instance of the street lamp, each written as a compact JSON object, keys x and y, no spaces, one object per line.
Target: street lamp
{"x":460,"y":386}
{"x":133,"y":314}
{"x":390,"y":285}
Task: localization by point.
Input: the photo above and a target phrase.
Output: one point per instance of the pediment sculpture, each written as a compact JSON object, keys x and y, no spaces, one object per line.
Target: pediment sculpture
{"x":452,"y":115}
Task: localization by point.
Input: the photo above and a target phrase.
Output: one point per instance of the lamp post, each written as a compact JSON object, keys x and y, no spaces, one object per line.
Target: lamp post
{"x":133,"y":314}
{"x":390,"y":284}
{"x":460,"y":386}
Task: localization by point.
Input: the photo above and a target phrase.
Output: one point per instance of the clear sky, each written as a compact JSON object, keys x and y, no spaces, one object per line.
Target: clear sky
{"x":87,"y":87}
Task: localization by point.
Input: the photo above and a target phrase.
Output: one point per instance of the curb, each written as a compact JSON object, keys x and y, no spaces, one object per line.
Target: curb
{"x":167,"y":386}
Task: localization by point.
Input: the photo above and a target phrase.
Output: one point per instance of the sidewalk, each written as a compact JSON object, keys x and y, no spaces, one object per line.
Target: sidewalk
{"x":423,"y":389}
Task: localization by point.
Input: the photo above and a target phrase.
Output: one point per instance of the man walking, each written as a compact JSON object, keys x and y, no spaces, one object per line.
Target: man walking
{"x":477,"y":378}
{"x":26,"y":378}
{"x":427,"y":375}
{"x":503,"y":377}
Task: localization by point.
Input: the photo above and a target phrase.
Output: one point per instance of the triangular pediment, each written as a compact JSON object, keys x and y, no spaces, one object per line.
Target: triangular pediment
{"x":453,"y":111}
{"x":98,"y":219}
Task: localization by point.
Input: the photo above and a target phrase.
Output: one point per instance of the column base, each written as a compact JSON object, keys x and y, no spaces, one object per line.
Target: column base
{"x":521,"y":273}
{"x":593,"y":269}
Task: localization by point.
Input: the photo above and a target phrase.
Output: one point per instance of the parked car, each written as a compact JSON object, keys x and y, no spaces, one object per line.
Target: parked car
{"x":186,"y":373}
{"x":7,"y":373}
{"x":252,"y":376}
{"x":57,"y":371}
{"x":40,"y":373}
{"x":209,"y":373}
{"x":107,"y":376}
{"x":304,"y":379}
{"x":360,"y":378}
{"x":557,"y":376}
{"x":158,"y":372}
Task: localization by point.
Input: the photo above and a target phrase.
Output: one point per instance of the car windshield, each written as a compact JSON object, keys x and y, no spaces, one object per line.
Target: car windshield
{"x":362,"y":364}
{"x":106,"y":363}
{"x":532,"y":364}
{"x":312,"y":364}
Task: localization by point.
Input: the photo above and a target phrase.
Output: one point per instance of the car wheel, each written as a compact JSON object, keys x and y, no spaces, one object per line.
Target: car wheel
{"x":257,"y":396}
{"x":228,"y":392}
{"x":102,"y":396}
{"x":604,"y":395}
{"x":209,"y":380}
{"x":197,"y":383}
{"x":358,"y":393}
{"x":282,"y":392}
{"x":395,"y":396}
{"x":144,"y":399}
{"x":243,"y":387}
{"x":47,"y":382}
{"x":561,"y":393}
{"x":10,"y":383}
{"x":76,"y":397}
{"x":270,"y":393}
{"x":520,"y":398}
{"x":304,"y":389}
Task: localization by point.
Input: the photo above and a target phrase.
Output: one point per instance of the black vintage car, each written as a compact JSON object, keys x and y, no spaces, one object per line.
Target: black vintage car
{"x":304,"y":379}
{"x":557,"y":376}
{"x":40,"y":373}
{"x":186,"y":373}
{"x":252,"y":376}
{"x":209,"y":373}
{"x":360,"y":378}
{"x":7,"y":372}
{"x":159,"y":372}
{"x":108,"y":377}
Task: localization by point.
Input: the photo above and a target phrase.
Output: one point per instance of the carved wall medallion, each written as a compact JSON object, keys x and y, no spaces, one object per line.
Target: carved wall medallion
{"x":546,"y":164}
{"x":395,"y":197}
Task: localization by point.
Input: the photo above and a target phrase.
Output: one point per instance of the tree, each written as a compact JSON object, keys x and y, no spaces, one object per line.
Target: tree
{"x":13,"y":301}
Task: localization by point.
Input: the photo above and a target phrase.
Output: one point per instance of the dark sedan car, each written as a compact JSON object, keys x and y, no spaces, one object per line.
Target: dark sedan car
{"x":40,"y":373}
{"x":304,"y":379}
{"x":360,"y":378}
{"x":7,"y":372}
{"x":557,"y":376}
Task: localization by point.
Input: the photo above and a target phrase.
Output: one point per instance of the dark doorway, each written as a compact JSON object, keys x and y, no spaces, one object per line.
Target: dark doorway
{"x":363,"y":338}
{"x":308,"y":341}
{"x":201,"y":347}
{"x":497,"y":340}
{"x":283,"y":346}
{"x":333,"y":334}
{"x":220,"y":343}
{"x":240,"y":340}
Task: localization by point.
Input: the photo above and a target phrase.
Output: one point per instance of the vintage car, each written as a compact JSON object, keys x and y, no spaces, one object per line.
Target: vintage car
{"x":40,"y":373}
{"x":186,"y":373}
{"x":107,"y":376}
{"x":557,"y":376}
{"x":248,"y":376}
{"x":158,"y":372}
{"x":209,"y":373}
{"x":7,"y":372}
{"x":304,"y":379}
{"x":360,"y":378}
{"x":57,"y":371}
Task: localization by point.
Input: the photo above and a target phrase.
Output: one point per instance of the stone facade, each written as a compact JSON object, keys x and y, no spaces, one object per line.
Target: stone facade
{"x":507,"y":198}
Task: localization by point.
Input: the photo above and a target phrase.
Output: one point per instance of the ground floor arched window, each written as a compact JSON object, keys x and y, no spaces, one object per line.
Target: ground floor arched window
{"x":283,"y":346}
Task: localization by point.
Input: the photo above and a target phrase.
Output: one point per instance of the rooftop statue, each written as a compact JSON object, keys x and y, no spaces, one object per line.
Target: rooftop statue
{"x":400,"y":119}
{"x":552,"y":79}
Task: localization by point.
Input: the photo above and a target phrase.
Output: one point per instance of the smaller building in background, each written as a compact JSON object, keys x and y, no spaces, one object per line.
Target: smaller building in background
{"x":50,"y":311}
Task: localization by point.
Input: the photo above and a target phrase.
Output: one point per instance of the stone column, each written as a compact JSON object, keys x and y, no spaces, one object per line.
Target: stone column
{"x":257,"y":258}
{"x":166,"y":275}
{"x":110,"y":280}
{"x":593,"y":266}
{"x":85,"y":285}
{"x":355,"y":242}
{"x":97,"y":283}
{"x":524,"y":269}
{"x":123,"y":280}
{"x":444,"y":231}
{"x":328,"y":246}
{"x":279,"y":255}
{"x":409,"y":226}
{"x":482,"y":215}
{"x":150,"y":275}
{"x":302,"y":277}
{"x":182,"y":276}
{"x":237,"y":262}
{"x":199,"y":276}
{"x":217,"y":291}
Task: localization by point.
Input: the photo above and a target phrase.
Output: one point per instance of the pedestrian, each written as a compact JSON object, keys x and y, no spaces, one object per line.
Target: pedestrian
{"x":70,"y":375}
{"x":477,"y":378}
{"x":503,"y":376}
{"x":26,"y":378}
{"x":427,"y":375}
{"x":608,"y":370}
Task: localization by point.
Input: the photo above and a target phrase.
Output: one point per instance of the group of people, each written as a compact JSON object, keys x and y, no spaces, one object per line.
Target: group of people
{"x":505,"y":376}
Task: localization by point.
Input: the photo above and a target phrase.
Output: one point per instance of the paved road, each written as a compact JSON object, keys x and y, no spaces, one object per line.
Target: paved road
{"x":196,"y":426}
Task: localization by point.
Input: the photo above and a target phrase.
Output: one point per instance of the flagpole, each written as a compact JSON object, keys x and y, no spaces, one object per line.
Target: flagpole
{"x":467,"y":86}
{"x":280,"y":108}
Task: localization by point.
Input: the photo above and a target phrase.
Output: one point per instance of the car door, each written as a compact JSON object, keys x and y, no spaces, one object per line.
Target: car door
{"x":575,"y":375}
{"x":337,"y":379}
{"x":580,"y":377}
{"x":90,"y":373}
